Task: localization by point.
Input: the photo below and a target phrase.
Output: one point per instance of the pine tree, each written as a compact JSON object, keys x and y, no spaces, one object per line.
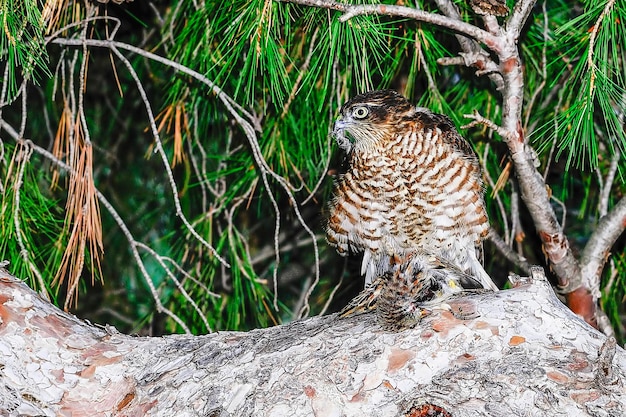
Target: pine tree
{"x":195,"y":138}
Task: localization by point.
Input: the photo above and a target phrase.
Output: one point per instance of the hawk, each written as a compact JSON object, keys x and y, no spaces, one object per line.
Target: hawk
{"x":412,"y":184}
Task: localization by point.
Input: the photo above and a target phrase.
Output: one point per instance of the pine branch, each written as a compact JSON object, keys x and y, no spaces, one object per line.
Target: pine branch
{"x":235,"y":111}
{"x":351,"y":11}
{"x":133,"y":244}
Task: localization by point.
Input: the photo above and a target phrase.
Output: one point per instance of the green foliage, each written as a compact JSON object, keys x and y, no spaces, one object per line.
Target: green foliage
{"x":586,"y":50}
{"x":21,"y":43}
{"x":30,"y":224}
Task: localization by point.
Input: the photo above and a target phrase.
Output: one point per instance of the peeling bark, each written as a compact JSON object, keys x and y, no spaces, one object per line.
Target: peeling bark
{"x":515,"y":352}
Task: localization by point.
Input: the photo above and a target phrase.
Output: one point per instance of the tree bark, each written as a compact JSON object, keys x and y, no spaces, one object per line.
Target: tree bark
{"x":515,"y":352}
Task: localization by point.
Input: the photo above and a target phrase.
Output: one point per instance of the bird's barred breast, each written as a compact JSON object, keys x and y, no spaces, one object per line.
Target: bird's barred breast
{"x":412,"y":190}
{"x":357,"y":216}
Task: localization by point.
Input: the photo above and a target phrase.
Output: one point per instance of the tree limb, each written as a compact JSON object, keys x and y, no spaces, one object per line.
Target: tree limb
{"x":515,"y":352}
{"x":598,"y":246}
{"x":532,"y":186}
{"x":351,"y":11}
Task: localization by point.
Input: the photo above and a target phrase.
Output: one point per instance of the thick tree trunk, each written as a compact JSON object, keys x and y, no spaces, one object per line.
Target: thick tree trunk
{"x":515,"y":352}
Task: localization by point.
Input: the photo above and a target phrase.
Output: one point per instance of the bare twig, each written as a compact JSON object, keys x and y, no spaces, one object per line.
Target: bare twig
{"x":473,"y":54}
{"x":199,"y":169}
{"x":331,"y":296}
{"x":422,"y":16}
{"x":517,"y":234}
{"x":324,"y":169}
{"x":480,"y":120}
{"x":321,"y":4}
{"x":3,"y":96}
{"x":161,"y":261}
{"x":292,"y":244}
{"x":4,"y":88}
{"x":301,"y":71}
{"x":168,"y":62}
{"x":161,"y":151}
{"x":155,"y":296}
{"x":613,"y":276}
{"x":605,"y":190}
{"x":508,"y":253}
{"x":555,"y":137}
{"x":234,"y":233}
{"x":82,"y":78}
{"x":84,"y":22}
{"x":518,"y":18}
{"x":21,"y":157}
{"x":187,"y":275}
{"x":496,"y":194}
{"x":592,"y":40}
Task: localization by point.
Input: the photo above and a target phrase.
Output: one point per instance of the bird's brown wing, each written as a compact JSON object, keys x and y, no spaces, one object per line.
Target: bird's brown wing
{"x":450,"y":135}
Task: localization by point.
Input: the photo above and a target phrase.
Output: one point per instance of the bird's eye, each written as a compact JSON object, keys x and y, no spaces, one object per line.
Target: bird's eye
{"x":360,"y":112}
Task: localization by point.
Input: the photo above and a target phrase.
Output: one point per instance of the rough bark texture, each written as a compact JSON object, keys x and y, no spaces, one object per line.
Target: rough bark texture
{"x":516,"y":352}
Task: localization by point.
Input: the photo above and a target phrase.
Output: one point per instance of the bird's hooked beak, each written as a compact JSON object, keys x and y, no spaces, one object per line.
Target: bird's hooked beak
{"x":344,"y":141}
{"x":340,"y":124}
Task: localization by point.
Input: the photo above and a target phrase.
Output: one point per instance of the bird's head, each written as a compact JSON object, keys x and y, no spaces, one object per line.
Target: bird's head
{"x":369,"y":118}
